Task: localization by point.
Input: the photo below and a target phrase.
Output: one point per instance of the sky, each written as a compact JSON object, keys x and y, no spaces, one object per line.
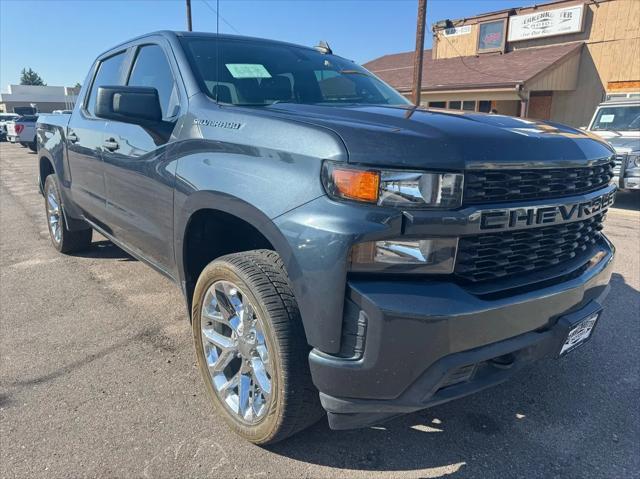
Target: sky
{"x":59,"y":39}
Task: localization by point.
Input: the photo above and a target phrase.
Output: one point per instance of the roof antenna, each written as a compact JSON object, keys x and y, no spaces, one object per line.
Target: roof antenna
{"x":324,"y":48}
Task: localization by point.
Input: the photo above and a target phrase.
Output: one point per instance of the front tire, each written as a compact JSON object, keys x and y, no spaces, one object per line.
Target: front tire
{"x":251,"y":347}
{"x":63,"y":239}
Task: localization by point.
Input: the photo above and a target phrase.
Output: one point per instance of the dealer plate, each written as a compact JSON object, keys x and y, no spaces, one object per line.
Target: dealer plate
{"x":579,"y":333}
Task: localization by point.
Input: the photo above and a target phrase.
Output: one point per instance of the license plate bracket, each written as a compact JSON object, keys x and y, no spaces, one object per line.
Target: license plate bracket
{"x":579,"y":333}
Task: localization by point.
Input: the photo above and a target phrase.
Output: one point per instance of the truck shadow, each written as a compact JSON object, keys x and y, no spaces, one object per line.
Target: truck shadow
{"x":105,"y":249}
{"x":556,"y":418}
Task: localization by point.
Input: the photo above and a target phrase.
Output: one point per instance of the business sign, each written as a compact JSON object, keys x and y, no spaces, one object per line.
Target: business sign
{"x":452,"y":32}
{"x":546,"y":23}
{"x":491,"y":36}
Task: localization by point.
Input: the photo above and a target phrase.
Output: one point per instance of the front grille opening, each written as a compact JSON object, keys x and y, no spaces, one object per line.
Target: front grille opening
{"x":459,"y":375}
{"x":490,"y":257}
{"x":478,"y":371}
{"x":494,"y":186}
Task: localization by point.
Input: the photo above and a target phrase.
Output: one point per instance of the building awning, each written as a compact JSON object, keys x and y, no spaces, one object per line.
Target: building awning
{"x":531,"y":68}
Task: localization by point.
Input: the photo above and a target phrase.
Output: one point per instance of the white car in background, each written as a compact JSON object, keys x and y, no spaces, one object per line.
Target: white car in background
{"x":23,"y":131}
{"x":4,"y":118}
{"x":618,"y":122}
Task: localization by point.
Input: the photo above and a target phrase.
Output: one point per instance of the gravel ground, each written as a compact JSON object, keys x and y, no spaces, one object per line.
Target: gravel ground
{"x":98,"y":378}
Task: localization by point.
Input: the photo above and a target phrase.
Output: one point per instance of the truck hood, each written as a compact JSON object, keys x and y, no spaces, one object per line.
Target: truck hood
{"x":409,"y":137}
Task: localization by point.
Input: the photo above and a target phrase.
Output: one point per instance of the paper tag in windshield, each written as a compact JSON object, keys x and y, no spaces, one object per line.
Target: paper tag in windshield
{"x":247,"y":70}
{"x":606,"y":119}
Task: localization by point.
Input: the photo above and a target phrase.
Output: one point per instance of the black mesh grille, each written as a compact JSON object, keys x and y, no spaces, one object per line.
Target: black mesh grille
{"x":494,"y":186}
{"x":493,"y":256}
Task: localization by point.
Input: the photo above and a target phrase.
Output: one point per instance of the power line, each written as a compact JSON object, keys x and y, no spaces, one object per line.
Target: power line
{"x":221,"y":17}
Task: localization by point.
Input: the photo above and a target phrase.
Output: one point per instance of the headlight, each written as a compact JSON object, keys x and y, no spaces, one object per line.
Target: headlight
{"x":422,"y":256}
{"x":395,"y":188}
{"x":634,"y":160}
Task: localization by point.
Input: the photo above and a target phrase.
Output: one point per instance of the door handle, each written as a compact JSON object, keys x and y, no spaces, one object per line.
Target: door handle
{"x":111,"y":144}
{"x":72,"y":137}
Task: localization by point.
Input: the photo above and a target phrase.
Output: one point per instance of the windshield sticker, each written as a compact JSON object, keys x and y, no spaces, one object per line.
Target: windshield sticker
{"x":607,"y":118}
{"x":247,"y":70}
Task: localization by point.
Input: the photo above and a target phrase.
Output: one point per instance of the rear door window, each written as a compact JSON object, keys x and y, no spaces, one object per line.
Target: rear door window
{"x":109,"y":73}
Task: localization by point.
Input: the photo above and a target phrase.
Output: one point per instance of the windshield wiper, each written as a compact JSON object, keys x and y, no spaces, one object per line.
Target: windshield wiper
{"x":283,"y":101}
{"x":354,"y":72}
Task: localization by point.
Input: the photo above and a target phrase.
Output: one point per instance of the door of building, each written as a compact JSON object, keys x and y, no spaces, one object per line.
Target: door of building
{"x":540,"y":105}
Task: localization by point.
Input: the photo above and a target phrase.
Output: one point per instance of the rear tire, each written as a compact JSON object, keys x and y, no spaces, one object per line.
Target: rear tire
{"x":63,"y":239}
{"x":256,"y":286}
{"x":33,"y":146}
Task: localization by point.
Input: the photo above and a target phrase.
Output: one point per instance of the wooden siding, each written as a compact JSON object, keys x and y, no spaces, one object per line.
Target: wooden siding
{"x":611,"y":32}
{"x":563,"y":76}
{"x":611,"y":54}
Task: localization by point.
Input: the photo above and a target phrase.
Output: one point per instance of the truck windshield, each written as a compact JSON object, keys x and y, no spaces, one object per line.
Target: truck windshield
{"x":617,"y":118}
{"x":246,"y":72}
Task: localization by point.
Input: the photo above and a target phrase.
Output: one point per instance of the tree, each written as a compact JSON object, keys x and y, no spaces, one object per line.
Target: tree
{"x":78,"y":85}
{"x":29,"y":77}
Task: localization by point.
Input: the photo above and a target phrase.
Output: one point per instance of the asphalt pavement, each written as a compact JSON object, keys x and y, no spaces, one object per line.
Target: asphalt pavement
{"x":98,"y":378}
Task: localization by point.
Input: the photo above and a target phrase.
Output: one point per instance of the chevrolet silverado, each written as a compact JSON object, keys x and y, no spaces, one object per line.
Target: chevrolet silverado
{"x":340,"y":250}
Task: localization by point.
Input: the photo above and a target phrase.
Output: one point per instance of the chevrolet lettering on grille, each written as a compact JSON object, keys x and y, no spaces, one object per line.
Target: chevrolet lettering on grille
{"x":518,"y":218}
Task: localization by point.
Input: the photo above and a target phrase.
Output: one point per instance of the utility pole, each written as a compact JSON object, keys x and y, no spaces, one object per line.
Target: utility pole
{"x":417,"y":61}
{"x":189,"y":28}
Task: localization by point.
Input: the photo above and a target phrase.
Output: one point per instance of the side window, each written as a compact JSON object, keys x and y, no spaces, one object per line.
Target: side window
{"x":152,"y":69}
{"x":109,"y":73}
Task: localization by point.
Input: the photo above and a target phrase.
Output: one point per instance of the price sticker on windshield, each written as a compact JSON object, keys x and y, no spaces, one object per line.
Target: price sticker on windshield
{"x":607,"y":118}
{"x":247,"y":70}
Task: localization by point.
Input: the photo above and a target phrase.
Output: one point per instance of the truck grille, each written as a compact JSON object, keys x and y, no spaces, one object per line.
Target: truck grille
{"x":494,"y":186}
{"x":493,"y":256}
{"x":618,"y":162}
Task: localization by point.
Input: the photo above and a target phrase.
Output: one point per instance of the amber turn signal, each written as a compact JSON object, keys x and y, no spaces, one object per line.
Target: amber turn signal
{"x":354,"y":184}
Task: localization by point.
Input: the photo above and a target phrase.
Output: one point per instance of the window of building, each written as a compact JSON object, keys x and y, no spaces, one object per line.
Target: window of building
{"x":469,"y":105}
{"x":109,"y":73}
{"x":455,"y":105}
{"x":491,"y":36}
{"x":484,"y":106}
{"x":437,"y":104}
{"x":151,"y":69}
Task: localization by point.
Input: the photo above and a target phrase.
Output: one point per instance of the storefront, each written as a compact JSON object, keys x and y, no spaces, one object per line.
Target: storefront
{"x":554,"y":61}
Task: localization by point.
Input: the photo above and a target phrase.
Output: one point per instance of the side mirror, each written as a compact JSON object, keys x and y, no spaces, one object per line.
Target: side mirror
{"x":129,"y":104}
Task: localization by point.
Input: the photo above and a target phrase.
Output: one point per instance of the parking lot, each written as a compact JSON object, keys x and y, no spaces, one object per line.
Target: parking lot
{"x":98,"y":378}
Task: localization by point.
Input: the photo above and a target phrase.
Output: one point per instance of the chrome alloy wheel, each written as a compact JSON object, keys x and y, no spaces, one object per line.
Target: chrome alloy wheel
{"x":54,"y":214}
{"x":236,"y":352}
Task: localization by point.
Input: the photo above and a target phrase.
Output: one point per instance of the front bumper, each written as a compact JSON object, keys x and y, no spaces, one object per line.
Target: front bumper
{"x":428,"y":342}
{"x":626,"y":174}
{"x":631,"y":180}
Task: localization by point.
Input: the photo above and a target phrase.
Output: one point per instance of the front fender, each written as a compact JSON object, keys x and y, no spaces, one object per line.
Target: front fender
{"x":250,"y":183}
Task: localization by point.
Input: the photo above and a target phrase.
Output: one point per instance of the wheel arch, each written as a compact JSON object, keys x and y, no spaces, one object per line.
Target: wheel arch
{"x":224,"y":208}
{"x":45,"y":168}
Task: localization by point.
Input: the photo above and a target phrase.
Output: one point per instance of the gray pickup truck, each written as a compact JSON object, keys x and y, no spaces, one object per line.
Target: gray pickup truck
{"x":339,"y":249}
